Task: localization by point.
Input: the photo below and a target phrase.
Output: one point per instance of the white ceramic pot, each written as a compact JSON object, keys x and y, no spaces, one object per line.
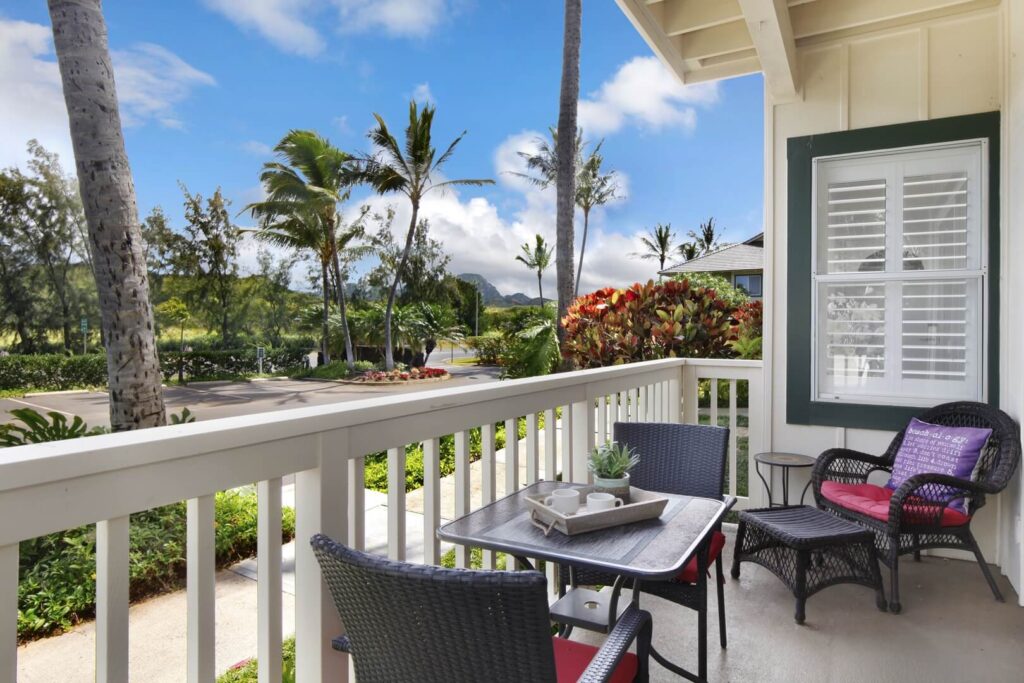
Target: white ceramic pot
{"x":617,"y":487}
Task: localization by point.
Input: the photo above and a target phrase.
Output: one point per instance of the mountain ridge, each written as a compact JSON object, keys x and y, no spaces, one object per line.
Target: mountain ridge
{"x":493,"y":297}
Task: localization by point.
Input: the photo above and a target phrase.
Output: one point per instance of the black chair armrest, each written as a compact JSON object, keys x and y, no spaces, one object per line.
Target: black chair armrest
{"x":909,"y":504}
{"x":634,"y":624}
{"x":342,"y":644}
{"x":846,"y":466}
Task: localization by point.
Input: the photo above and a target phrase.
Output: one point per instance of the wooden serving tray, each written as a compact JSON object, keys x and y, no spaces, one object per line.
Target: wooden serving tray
{"x":643,"y":505}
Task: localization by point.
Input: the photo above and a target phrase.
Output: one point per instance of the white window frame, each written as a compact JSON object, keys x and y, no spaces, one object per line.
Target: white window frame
{"x":892,"y":242}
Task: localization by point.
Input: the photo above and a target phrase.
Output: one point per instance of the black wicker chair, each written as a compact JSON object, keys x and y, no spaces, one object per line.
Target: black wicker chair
{"x":410,"y":622}
{"x":917,"y":515}
{"x":686,"y":460}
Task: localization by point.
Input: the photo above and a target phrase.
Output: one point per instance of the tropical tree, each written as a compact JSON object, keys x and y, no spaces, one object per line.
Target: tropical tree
{"x":409,"y":170}
{"x":174,"y":312}
{"x":314,"y":173}
{"x":593,"y":188}
{"x":111,"y":214}
{"x":438,"y":325}
{"x":568,"y":104}
{"x":688,"y":251}
{"x":658,"y":243}
{"x":705,"y":239}
{"x":537,"y":258}
{"x":209,"y":259}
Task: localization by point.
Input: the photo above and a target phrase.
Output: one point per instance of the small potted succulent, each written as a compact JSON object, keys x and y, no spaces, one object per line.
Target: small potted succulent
{"x":610,"y":464}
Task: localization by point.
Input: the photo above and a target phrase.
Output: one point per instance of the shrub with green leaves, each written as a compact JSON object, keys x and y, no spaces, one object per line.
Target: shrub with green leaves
{"x":52,"y":372}
{"x":35,"y":427}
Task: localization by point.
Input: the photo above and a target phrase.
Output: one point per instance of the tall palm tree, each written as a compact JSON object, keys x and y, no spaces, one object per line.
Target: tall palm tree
{"x":658,"y":243}
{"x":593,"y":188}
{"x":111,"y":213}
{"x":568,"y":103}
{"x":537,"y":258}
{"x":706,"y":237}
{"x":543,"y":162}
{"x":315,"y":173}
{"x":409,"y":171}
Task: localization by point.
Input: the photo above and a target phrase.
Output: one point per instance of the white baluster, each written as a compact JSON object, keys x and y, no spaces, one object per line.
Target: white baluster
{"x":200,"y":594}
{"x":488,"y":484}
{"x":357,"y":503}
{"x":602,"y":420}
{"x":613,"y":414}
{"x":566,"y":440}
{"x":511,"y":456}
{"x":714,"y":402}
{"x":674,"y":398}
{"x":9,"y":613}
{"x":641,"y":410}
{"x":689,"y":394}
{"x":550,"y":445}
{"x":396,"y":503}
{"x":531,"y":448}
{"x":431,"y":501}
{"x":462,"y":490}
{"x":112,"y":601}
{"x":623,"y":406}
{"x":268,"y":581}
{"x":733,"y":426}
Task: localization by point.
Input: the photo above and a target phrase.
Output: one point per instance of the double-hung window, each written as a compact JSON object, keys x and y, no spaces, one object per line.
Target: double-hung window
{"x":899,"y":267}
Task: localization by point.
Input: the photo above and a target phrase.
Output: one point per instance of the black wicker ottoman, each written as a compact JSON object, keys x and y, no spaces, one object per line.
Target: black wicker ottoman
{"x":809,"y":550}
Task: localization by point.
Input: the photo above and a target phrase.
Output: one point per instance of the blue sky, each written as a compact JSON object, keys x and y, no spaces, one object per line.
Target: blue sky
{"x":208,"y":86}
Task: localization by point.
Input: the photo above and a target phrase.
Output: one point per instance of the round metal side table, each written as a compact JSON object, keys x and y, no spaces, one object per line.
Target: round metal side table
{"x":787,"y":462}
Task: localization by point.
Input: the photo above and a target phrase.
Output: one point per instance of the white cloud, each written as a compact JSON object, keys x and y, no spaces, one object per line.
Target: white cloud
{"x":282,"y":22}
{"x":644,"y":93}
{"x":410,"y":18}
{"x":421,"y":94}
{"x":342,"y":124}
{"x":150,"y":82}
{"x":508,"y":163}
{"x":257,"y":148}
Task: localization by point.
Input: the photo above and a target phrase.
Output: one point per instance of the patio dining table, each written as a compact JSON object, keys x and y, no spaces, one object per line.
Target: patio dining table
{"x":652,"y":550}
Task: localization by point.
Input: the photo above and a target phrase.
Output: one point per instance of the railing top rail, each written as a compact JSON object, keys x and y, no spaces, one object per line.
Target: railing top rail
{"x":30,"y":465}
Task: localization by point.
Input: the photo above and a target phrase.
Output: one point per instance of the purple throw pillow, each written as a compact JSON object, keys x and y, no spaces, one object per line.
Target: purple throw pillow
{"x":929,"y":448}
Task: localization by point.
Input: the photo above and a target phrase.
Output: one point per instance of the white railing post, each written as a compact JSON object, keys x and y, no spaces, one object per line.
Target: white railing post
{"x":268,"y":581}
{"x":532,"y":465}
{"x":756,"y":416}
{"x":321,"y":506}
{"x":200,"y":592}
{"x":431,"y":500}
{"x":357,"y":503}
{"x":396,"y":503}
{"x":566,"y":443}
{"x":689,"y":394}
{"x":462,"y":490}
{"x":582,"y":439}
{"x":734,"y":454}
{"x":112,"y":600}
{"x":9,"y":613}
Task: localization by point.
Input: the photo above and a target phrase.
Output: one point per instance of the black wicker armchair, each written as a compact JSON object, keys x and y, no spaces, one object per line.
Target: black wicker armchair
{"x":685,"y":460}
{"x":918,"y":515}
{"x":409,"y":622}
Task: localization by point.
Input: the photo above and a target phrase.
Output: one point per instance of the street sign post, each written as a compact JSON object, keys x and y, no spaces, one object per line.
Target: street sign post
{"x":84,"y":325}
{"x":261,"y":353}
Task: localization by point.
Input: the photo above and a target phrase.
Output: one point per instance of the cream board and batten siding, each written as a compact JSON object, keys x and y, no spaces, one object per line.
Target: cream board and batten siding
{"x":945,"y":67}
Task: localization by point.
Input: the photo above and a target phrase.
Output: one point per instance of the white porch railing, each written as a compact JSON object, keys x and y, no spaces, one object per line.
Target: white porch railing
{"x":50,"y":487}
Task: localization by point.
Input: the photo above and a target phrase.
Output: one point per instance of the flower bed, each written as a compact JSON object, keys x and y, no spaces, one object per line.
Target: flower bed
{"x":423,"y":374}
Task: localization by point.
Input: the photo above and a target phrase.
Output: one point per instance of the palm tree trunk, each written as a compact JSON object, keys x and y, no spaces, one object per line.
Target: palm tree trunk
{"x":350,"y":358}
{"x":389,"y":356}
{"x":583,"y":248}
{"x":111,"y":213}
{"x":325,"y":344}
{"x":540,"y":288}
{"x":568,"y":102}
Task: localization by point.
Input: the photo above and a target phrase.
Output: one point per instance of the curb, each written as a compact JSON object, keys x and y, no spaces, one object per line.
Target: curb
{"x":66,"y":392}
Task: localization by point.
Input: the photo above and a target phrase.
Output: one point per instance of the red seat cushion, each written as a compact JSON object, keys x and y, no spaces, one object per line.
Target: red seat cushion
{"x":689,"y":573}
{"x":572,"y":659}
{"x":873,"y":501}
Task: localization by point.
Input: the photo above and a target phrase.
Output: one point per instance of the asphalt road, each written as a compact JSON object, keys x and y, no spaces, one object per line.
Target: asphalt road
{"x":211,"y":400}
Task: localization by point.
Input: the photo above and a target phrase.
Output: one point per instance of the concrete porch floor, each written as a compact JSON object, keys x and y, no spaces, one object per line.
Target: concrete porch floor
{"x":951,"y":629}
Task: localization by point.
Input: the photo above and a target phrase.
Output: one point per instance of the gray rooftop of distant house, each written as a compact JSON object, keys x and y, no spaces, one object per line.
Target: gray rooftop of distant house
{"x":748,"y":255}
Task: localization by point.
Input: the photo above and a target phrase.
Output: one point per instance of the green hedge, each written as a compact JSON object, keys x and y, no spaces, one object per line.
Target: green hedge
{"x":53,"y":372}
{"x":57,"y":580}
{"x":230,"y":363}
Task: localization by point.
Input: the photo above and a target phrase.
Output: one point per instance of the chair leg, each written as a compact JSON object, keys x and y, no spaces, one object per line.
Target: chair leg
{"x":702,"y":635}
{"x":973,"y":544}
{"x":720,"y":586}
{"x":740,"y":533}
{"x":643,"y":652}
{"x":894,"y":573}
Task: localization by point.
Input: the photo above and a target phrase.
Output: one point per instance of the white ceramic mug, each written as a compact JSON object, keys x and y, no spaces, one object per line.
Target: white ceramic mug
{"x":602,"y":501}
{"x":566,"y":501}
